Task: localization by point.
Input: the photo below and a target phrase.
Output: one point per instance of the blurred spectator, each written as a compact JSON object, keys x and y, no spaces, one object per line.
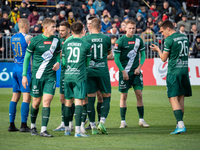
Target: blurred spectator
{"x":157,"y":27}
{"x":165,"y":11}
{"x":113,"y":31}
{"x":29,"y":5}
{"x":175,"y":4}
{"x":4,"y":26}
{"x":192,"y":6}
{"x":105,"y":12}
{"x":184,"y":22}
{"x":84,"y":13}
{"x":99,"y":5}
{"x":14,"y":15}
{"x":178,"y":16}
{"x":2,"y":46}
{"x":113,"y":40}
{"x":92,"y":14}
{"x":152,"y":25}
{"x":105,"y":24}
{"x":126,"y":18}
{"x":33,"y":17}
{"x":140,"y":24}
{"x":150,"y":1}
{"x":113,"y":25}
{"x":61,"y":7}
{"x":152,"y":12}
{"x":122,"y":29}
{"x":116,"y":19}
{"x":91,"y":5}
{"x":112,"y":8}
{"x":61,"y":17}
{"x":126,"y":10}
{"x":175,"y":25}
{"x":8,"y":24}
{"x":195,"y":48}
{"x":16,"y":28}
{"x":149,"y":20}
{"x":142,"y":10}
{"x":193,"y":32}
{"x":52,"y":2}
{"x":24,"y":11}
{"x":182,"y":30}
{"x":36,"y":29}
{"x":1,"y":13}
{"x":71,"y":18}
{"x":68,"y":9}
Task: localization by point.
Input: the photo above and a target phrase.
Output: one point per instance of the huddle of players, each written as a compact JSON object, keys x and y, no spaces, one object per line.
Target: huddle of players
{"x":78,"y":53}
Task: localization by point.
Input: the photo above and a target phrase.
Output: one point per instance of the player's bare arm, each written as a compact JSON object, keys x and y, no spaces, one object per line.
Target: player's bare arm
{"x":24,"y":81}
{"x":110,"y":55}
{"x":163,"y":55}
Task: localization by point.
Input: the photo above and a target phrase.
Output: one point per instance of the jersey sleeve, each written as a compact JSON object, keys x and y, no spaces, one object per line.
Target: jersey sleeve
{"x":31,"y":46}
{"x":142,"y":47}
{"x":118,"y":46}
{"x":89,"y":49}
{"x":58,"y":49}
{"x":167,"y":45}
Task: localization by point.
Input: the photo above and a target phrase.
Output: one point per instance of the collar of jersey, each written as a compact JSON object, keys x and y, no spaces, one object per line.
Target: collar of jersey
{"x":45,"y":37}
{"x":129,"y":38}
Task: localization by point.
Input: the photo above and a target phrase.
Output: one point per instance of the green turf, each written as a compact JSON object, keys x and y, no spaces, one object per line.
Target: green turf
{"x":158,"y":114}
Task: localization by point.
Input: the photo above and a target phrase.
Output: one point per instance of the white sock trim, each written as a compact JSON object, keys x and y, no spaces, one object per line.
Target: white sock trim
{"x":43,"y":128}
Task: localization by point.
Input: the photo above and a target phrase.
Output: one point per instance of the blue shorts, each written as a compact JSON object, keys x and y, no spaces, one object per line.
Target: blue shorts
{"x":17,"y":83}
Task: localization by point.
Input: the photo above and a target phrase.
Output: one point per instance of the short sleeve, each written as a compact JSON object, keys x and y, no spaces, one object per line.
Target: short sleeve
{"x":118,"y":46}
{"x":31,"y":46}
{"x":142,"y":47}
{"x":167,"y":45}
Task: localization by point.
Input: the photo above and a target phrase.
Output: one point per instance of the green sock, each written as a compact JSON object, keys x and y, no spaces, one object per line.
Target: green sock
{"x":66,"y":115}
{"x":90,"y":109}
{"x":45,"y":115}
{"x":99,"y":110}
{"x":84,"y":113}
{"x":62,"y":109}
{"x":78,"y":112}
{"x":140,"y":111}
{"x":106,"y":107}
{"x":123,"y":112}
{"x":34,"y":113}
{"x":72,"y":112}
{"x":178,"y":115}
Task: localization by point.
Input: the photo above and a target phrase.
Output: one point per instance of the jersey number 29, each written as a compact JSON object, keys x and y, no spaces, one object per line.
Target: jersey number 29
{"x":74,"y":53}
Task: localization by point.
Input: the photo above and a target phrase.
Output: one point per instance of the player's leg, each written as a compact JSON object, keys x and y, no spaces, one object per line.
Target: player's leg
{"x":25,"y":105}
{"x":12,"y":111}
{"x":181,"y":102}
{"x":99,"y":103}
{"x":140,"y":106}
{"x":84,"y":115}
{"x":176,"y":107}
{"x":123,"y":108}
{"x":71,"y":115}
{"x":61,"y":127}
{"x":25,"y":112}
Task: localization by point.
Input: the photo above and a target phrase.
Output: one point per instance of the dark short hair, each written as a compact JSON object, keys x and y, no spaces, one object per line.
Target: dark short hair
{"x":113,"y":37}
{"x":35,"y":9}
{"x":166,"y":24}
{"x":65,"y":23}
{"x":77,"y":27}
{"x":90,"y":18}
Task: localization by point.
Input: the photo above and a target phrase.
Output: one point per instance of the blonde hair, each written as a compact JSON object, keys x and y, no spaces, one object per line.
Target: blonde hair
{"x":96,"y":23}
{"x":70,"y":13}
{"x":22,"y":22}
{"x":48,"y":21}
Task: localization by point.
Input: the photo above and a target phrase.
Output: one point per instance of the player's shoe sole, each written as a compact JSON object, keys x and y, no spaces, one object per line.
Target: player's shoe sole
{"x":45,"y":134}
{"x":12,"y":129}
{"x":123,"y":125}
{"x":26,"y":129}
{"x":34,"y":131}
{"x":179,"y":130}
{"x":60,"y":128}
{"x":102,"y":128}
{"x":143,"y":124}
{"x":80,"y":135}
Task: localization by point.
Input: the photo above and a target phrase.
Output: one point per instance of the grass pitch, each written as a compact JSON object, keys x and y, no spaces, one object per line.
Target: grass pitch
{"x":158,"y":114}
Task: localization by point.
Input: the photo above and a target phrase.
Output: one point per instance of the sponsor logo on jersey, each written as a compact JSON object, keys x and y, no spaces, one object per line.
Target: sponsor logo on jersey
{"x":63,"y":42}
{"x":34,"y":87}
{"x":41,"y":46}
{"x":116,"y":46}
{"x":131,"y":42}
{"x":47,"y":42}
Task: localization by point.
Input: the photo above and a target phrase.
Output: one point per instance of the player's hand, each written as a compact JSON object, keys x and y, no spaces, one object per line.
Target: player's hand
{"x":125,"y":75}
{"x":154,"y":47}
{"x":83,"y":32}
{"x":24,"y":81}
{"x":56,"y":66}
{"x":137,"y":71}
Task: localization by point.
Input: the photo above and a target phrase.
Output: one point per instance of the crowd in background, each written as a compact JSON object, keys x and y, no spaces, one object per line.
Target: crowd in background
{"x":113,"y":14}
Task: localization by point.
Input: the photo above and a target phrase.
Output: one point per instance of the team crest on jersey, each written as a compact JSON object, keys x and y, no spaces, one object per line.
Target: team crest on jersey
{"x":47,"y":42}
{"x":131,"y":42}
{"x":116,"y":46}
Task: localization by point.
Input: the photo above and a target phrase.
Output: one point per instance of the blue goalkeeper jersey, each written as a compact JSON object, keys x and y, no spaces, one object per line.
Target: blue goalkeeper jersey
{"x":19,"y":46}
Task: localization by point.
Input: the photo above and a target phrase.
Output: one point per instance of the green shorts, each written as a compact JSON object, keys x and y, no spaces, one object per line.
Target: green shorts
{"x":75,"y":89}
{"x":178,"y":85}
{"x":40,"y":86}
{"x":101,"y":83}
{"x":62,"y":83}
{"x":136,"y":81}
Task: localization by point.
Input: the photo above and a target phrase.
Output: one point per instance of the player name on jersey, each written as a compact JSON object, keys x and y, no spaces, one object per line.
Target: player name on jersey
{"x":74,"y":44}
{"x":97,"y":40}
{"x":180,"y":38}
